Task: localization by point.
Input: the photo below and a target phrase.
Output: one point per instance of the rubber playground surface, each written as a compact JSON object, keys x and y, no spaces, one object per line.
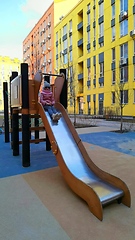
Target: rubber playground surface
{"x":36,"y":203}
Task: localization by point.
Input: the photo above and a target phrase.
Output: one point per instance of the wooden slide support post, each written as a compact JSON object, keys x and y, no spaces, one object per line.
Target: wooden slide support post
{"x":6,"y":116}
{"x":25,"y":116}
{"x":14,"y":75}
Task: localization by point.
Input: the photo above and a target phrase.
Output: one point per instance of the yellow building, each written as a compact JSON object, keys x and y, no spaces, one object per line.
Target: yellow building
{"x":95,"y":43}
{"x":7,"y":66}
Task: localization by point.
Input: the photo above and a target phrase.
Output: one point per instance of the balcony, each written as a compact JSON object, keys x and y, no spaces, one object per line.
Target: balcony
{"x":80,"y":26}
{"x":80,"y":42}
{"x":80,"y":76}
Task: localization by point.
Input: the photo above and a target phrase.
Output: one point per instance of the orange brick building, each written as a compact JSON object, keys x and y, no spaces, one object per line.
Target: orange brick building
{"x":38,"y":46}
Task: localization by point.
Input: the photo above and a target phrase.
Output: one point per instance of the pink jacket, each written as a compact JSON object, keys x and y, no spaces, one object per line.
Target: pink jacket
{"x":46,"y":97}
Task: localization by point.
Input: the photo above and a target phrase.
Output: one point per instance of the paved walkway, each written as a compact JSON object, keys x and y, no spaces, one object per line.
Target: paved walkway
{"x":36,"y":203}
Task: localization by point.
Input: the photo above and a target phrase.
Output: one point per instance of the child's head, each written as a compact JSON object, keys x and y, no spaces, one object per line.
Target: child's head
{"x":46,"y":85}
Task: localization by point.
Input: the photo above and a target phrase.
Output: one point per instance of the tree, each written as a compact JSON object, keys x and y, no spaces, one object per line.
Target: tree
{"x":72,"y":90}
{"x":66,"y":62}
{"x":122,"y":92}
{"x":122,"y":100}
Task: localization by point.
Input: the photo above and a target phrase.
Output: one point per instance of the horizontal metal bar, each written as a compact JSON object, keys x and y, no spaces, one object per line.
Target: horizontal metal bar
{"x":51,"y":74}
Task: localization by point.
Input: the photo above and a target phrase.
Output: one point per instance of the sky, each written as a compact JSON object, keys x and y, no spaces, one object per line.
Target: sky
{"x":17,"y":18}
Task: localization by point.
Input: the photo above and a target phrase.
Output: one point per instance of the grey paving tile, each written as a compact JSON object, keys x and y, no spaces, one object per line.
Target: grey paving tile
{"x":23,"y":216}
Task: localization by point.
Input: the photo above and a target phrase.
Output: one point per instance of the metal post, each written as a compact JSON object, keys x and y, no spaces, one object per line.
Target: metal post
{"x":63,"y":95}
{"x":14,"y":75}
{"x":15,"y":129}
{"x":48,"y":145}
{"x":25,"y":116}
{"x":36,"y":123}
{"x":6,"y":116}
{"x":47,"y":78}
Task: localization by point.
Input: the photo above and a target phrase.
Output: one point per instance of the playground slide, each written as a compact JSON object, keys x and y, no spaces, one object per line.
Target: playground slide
{"x":95,"y":186}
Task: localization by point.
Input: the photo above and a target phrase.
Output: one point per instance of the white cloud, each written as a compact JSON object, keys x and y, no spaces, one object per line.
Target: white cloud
{"x":14,"y":52}
{"x":33,"y":11}
{"x":36,"y":6}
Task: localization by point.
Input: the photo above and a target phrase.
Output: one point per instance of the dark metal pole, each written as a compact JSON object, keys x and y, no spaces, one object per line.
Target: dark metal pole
{"x":63,"y":95}
{"x":14,"y":75}
{"x":36,"y":123}
{"x":51,"y":74}
{"x":15,"y":129}
{"x":6,"y":115}
{"x":47,"y":78}
{"x":25,"y":116}
{"x":48,"y":145}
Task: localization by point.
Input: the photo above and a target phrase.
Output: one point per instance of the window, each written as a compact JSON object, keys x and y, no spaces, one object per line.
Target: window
{"x":65,"y":58}
{"x":113,"y":97}
{"x":70,"y":25}
{"x":56,"y":36}
{"x":134,"y":72}
{"x":134,"y":95}
{"x":94,"y":14}
{"x":88,"y":36}
{"x":113,"y":33}
{"x":124,"y":28}
{"x":70,"y":56}
{"x":65,"y":44}
{"x":49,"y":18}
{"x":101,"y":66}
{"x":124,"y":74}
{"x":124,"y":50}
{"x":56,"y":50}
{"x":124,"y":96}
{"x":88,"y":14}
{"x":101,"y":9}
{"x":71,"y":80}
{"x":113,"y":11}
{"x":57,"y":65}
{"x":89,"y":73}
{"x":113,"y":76}
{"x":101,"y":30}
{"x":70,"y":40}
{"x":94,"y":33}
{"x":94,"y":71}
{"x":113,"y":54}
{"x":124,"y":5}
{"x":64,"y":30}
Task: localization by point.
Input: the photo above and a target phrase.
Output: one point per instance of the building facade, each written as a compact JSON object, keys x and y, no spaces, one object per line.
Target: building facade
{"x":7,"y":66}
{"x":38,"y":46}
{"x":95,"y":43}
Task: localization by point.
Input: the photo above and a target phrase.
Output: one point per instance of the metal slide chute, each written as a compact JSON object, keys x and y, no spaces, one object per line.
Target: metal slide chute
{"x":92,"y":184}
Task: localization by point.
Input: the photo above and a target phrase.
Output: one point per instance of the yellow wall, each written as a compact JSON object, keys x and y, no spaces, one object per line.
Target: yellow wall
{"x":62,"y":7}
{"x":7,"y":66}
{"x":78,"y":14}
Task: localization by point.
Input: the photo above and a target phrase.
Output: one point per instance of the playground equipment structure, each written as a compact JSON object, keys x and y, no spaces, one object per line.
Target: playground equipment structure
{"x":96,"y":187}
